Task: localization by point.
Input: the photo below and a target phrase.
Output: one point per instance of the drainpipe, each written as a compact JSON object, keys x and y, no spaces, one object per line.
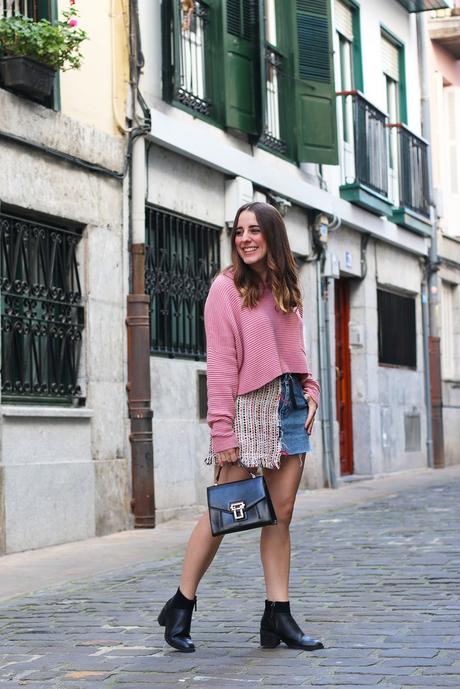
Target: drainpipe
{"x":137,"y":321}
{"x":322,"y":304}
{"x":434,"y":349}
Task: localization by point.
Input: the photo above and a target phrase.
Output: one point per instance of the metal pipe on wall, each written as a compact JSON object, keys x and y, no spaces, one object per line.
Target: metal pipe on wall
{"x":434,"y":409}
{"x":138,"y":316}
{"x":325,"y":379}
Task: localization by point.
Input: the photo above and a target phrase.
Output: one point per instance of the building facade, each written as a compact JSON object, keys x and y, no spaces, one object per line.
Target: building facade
{"x":314,"y":107}
{"x":444,"y":32}
{"x":310,"y":105}
{"x":64,"y":468}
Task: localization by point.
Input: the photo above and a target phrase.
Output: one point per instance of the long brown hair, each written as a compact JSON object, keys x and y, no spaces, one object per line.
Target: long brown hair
{"x":282,"y":270}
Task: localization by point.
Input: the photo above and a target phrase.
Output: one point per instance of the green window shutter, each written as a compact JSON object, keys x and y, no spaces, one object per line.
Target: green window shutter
{"x":314,"y":78}
{"x":241,"y":65}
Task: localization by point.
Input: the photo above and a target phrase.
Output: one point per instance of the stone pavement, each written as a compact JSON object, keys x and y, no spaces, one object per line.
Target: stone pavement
{"x":377,"y":579}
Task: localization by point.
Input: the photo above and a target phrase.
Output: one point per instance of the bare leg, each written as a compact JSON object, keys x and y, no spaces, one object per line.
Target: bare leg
{"x":202,"y":545}
{"x":275,"y":542}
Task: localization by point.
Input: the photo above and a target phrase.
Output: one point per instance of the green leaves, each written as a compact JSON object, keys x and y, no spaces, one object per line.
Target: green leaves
{"x":55,"y":45}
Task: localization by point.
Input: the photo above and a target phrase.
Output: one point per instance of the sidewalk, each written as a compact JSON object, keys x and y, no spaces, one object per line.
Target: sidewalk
{"x":376,"y":575}
{"x":34,"y":570}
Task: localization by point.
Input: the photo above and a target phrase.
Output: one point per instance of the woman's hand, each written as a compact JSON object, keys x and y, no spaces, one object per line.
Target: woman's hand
{"x":228,"y":456}
{"x":312,"y":407}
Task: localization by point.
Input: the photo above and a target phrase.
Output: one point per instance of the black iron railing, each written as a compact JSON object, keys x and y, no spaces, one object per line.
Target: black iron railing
{"x":29,"y":8}
{"x":191,"y":82}
{"x":414,"y":192}
{"x":274,"y":133}
{"x":41,"y":311}
{"x":181,"y":259}
{"x":369,"y":141}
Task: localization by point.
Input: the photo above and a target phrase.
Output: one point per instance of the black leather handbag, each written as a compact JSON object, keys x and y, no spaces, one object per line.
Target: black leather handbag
{"x":239,"y":505}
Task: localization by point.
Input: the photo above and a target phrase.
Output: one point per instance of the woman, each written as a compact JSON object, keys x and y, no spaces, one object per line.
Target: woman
{"x":262,"y":402}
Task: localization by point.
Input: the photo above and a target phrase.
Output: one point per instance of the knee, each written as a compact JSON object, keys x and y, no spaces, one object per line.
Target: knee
{"x":284,"y":512}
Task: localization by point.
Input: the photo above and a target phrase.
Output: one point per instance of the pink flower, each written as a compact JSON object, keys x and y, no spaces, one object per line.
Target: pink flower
{"x":72,"y":2}
{"x":72,"y":22}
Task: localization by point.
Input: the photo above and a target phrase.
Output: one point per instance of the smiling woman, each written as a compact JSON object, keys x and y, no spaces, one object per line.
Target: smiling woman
{"x":262,"y":401}
{"x":251,"y":244}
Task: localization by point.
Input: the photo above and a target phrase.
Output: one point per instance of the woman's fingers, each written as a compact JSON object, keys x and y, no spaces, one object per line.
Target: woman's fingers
{"x":228,"y":456}
{"x":312,"y":407}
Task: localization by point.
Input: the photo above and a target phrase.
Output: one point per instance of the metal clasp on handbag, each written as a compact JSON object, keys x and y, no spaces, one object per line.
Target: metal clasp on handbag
{"x":238,"y":510}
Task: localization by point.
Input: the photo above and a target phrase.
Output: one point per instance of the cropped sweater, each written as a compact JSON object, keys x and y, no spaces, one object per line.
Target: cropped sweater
{"x":246,"y":349}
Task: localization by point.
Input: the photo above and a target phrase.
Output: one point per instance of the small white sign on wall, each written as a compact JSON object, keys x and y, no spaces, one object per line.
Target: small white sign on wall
{"x":348,"y":260}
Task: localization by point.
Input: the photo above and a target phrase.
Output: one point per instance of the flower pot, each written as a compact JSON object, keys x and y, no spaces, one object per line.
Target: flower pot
{"x":27,"y":76}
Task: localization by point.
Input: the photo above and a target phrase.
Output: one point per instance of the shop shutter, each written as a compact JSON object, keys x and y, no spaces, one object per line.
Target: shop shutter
{"x":390,"y":59}
{"x":316,"y":129}
{"x":241,"y":69}
{"x":344,"y":19}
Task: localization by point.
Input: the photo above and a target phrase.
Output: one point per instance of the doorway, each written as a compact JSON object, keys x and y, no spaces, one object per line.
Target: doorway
{"x":343,"y":375}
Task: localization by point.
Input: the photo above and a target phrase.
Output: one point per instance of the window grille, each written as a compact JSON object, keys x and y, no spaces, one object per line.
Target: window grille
{"x":35,"y":9}
{"x":41,"y":311}
{"x":182,"y":257}
{"x":397,"y":329}
{"x":189,"y":54}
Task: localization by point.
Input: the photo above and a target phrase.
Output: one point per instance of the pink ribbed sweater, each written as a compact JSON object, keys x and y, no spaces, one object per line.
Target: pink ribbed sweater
{"x":246,"y":349}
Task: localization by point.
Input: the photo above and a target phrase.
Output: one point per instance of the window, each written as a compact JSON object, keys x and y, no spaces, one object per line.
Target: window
{"x":260,"y":67}
{"x":41,"y":311}
{"x":396,"y":329}
{"x":349,"y":72}
{"x":183,"y":256}
{"x":36,"y":9}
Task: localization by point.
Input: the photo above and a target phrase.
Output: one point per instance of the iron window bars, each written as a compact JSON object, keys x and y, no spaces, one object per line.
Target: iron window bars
{"x":396,"y":329}
{"x":29,"y":8}
{"x":182,"y":257}
{"x":41,"y":311}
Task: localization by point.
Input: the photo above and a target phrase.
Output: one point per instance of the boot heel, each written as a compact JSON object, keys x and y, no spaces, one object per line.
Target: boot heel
{"x":162,"y":618}
{"x":268,"y":639}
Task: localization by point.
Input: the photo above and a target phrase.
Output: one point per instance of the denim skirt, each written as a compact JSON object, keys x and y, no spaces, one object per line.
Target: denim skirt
{"x":270,"y":423}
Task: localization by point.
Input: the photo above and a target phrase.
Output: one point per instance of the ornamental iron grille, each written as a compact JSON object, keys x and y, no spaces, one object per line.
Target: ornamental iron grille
{"x":41,"y":311}
{"x":182,"y":257}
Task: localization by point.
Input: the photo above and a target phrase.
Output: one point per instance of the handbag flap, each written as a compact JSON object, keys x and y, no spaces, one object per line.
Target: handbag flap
{"x":250,"y":491}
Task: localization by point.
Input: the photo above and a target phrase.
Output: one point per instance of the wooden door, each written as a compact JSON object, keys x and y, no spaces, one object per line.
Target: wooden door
{"x":343,"y":377}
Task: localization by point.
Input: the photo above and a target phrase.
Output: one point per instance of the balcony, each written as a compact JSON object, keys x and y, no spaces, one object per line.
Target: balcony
{"x":444,"y":30}
{"x":424,"y":5}
{"x":28,"y":8}
{"x":384,"y":166}
{"x":364,"y":154}
{"x":412,"y":196}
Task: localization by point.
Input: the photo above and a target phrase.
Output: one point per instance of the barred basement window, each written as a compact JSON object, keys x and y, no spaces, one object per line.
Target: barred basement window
{"x":182,"y":257}
{"x":41,"y":311}
{"x":397,"y":331}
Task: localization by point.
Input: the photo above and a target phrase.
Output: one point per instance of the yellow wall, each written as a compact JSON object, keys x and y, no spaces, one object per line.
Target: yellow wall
{"x":96,"y":93}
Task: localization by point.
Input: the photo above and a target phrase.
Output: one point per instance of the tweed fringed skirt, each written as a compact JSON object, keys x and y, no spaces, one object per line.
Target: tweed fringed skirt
{"x":270,"y":423}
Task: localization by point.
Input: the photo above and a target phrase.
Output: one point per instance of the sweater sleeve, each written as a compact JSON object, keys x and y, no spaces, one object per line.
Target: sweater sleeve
{"x":310,"y":386}
{"x":222,"y":367}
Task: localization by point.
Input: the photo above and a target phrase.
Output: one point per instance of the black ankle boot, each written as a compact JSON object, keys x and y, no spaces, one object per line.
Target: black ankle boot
{"x":176,"y":617}
{"x":277,"y":625}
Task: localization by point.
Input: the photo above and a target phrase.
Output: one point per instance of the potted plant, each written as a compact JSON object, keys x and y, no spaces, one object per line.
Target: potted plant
{"x":33,"y":51}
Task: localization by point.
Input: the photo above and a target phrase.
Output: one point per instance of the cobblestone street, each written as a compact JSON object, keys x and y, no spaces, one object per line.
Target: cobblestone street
{"x":378,"y":582}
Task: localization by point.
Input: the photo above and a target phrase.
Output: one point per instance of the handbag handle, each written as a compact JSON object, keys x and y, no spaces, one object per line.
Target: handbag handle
{"x":241,"y":465}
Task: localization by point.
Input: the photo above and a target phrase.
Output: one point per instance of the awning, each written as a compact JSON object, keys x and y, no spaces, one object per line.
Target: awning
{"x":424,"y":5}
